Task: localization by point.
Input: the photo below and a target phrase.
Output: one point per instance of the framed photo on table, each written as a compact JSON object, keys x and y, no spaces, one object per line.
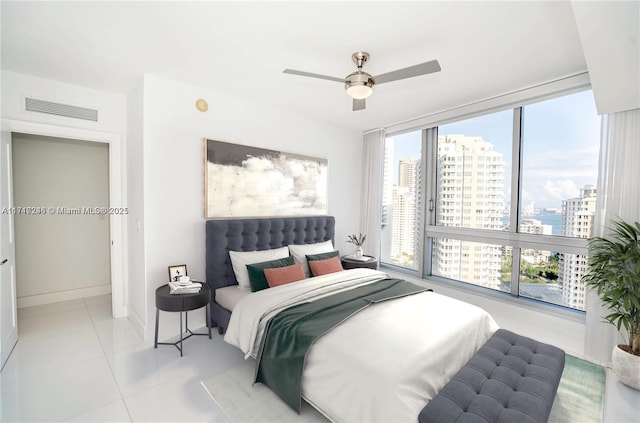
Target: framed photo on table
{"x":176,"y":272}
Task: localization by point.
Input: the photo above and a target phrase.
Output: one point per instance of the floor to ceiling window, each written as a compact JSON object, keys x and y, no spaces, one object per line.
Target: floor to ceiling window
{"x":559,"y":172}
{"x":509,"y":199}
{"x":473,"y":159}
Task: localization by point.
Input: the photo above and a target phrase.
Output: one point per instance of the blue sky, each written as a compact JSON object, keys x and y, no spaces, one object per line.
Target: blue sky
{"x":560,"y":148}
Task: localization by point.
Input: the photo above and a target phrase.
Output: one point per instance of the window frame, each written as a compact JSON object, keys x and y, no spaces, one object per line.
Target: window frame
{"x":518,"y":241}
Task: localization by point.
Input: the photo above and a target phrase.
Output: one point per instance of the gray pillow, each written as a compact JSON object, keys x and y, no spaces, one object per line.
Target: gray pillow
{"x":322,"y":256}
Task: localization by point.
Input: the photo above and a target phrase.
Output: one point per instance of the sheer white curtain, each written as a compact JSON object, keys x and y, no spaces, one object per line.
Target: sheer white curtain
{"x":371,"y":199}
{"x":618,"y":197}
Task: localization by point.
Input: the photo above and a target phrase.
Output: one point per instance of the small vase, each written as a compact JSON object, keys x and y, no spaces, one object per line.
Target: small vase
{"x":359,"y":252}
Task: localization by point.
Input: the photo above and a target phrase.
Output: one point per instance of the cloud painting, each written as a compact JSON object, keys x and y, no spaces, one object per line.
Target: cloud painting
{"x":245,"y":181}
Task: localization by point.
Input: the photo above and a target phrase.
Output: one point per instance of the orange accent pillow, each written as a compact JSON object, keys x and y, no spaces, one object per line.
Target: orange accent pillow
{"x":282,"y":275}
{"x":323,"y":267}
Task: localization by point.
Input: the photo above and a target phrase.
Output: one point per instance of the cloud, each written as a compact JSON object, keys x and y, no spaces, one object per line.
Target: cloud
{"x":555,"y":175}
{"x":267,"y":186}
{"x":527,"y":197}
{"x":563,"y":163}
{"x":561,"y":189}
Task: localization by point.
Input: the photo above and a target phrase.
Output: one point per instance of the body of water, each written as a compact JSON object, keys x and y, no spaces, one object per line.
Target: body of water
{"x":546,"y":218}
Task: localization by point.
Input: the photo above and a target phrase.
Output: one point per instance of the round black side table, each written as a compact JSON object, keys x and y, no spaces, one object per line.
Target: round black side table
{"x":182,"y":303}
{"x":351,"y":263}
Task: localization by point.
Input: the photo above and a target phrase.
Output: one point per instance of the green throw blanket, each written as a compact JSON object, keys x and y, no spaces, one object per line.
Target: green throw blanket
{"x":290,"y":334}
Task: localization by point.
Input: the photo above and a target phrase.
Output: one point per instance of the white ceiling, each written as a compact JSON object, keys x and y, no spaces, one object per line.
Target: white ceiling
{"x":241,"y":48}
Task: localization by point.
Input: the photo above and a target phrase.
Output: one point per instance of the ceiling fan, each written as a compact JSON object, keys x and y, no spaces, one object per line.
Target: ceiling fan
{"x":359,"y":84}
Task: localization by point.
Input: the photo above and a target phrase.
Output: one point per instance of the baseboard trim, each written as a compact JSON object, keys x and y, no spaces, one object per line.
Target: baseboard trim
{"x":56,"y":297}
{"x":137,"y":323}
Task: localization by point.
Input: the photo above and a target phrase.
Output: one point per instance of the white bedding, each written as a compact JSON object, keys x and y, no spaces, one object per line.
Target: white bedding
{"x":229,"y":296}
{"x":384,"y":363}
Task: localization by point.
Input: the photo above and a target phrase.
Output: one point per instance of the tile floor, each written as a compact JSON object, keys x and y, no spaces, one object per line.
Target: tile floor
{"x":74,"y":363}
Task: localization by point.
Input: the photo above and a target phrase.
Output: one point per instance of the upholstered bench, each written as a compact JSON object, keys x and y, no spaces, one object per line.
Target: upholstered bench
{"x":512,"y":378}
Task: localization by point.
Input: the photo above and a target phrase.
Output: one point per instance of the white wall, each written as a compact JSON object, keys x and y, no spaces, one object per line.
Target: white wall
{"x":137,"y":293}
{"x":58,"y":252}
{"x":173,"y":170}
{"x":610,"y":36}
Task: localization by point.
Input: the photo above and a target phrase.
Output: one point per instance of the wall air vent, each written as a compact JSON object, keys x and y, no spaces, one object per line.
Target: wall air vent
{"x":50,"y":108}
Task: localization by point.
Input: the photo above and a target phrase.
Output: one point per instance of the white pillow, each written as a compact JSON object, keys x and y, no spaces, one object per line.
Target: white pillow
{"x":240,"y":259}
{"x":299,"y":253}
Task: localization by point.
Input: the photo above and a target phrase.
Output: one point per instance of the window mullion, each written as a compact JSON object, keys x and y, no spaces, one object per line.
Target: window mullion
{"x":516,"y":180}
{"x":430,"y":157}
{"x":431,"y":185}
{"x":422,"y":206}
{"x":515,"y":270}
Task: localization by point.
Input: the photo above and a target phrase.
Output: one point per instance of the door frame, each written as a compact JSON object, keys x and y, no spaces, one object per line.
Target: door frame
{"x":117,"y":196}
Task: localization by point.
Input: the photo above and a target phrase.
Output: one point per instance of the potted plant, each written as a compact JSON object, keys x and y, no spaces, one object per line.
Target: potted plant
{"x":613,"y":271}
{"x":358,"y":241}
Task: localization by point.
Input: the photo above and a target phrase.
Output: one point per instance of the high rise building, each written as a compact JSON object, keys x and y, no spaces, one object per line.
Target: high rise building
{"x":386,"y":214}
{"x":403,"y":241}
{"x":387,"y":183}
{"x":404,"y":217}
{"x":535,"y":226}
{"x":408,"y":170}
{"x":577,"y":221}
{"x":470,"y":195}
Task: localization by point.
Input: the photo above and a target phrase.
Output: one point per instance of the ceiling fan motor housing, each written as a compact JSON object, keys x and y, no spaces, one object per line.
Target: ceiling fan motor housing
{"x":359,"y":58}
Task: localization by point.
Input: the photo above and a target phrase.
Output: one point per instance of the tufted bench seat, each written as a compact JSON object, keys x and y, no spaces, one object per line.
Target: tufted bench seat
{"x":512,"y":378}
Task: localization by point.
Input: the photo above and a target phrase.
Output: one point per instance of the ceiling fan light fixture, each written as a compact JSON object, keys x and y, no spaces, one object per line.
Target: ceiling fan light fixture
{"x":359,"y":85}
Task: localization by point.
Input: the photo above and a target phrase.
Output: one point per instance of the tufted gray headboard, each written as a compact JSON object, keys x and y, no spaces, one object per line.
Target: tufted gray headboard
{"x":253,"y":235}
{"x":258,"y":234}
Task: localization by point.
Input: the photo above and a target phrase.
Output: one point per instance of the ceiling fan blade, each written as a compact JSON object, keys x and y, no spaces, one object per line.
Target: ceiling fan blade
{"x":312,"y":75}
{"x":410,"y":72}
{"x":359,"y":104}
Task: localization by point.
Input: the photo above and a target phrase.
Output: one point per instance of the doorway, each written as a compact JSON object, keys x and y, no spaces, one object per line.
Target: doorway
{"x":117,"y":194}
{"x":62,"y":235}
{"x":117,"y":222}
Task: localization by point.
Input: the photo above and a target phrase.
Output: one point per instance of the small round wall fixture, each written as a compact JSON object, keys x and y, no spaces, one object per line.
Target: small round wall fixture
{"x":202,"y":105}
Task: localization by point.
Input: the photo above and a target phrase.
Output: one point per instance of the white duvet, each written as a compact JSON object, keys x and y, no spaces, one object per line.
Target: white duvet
{"x":382,"y":364}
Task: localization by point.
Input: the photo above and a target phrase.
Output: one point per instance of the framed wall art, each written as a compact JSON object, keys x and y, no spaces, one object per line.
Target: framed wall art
{"x":244,"y":181}
{"x":176,"y":272}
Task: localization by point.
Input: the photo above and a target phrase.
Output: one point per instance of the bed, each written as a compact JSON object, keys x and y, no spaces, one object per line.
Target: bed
{"x":382,"y":364}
